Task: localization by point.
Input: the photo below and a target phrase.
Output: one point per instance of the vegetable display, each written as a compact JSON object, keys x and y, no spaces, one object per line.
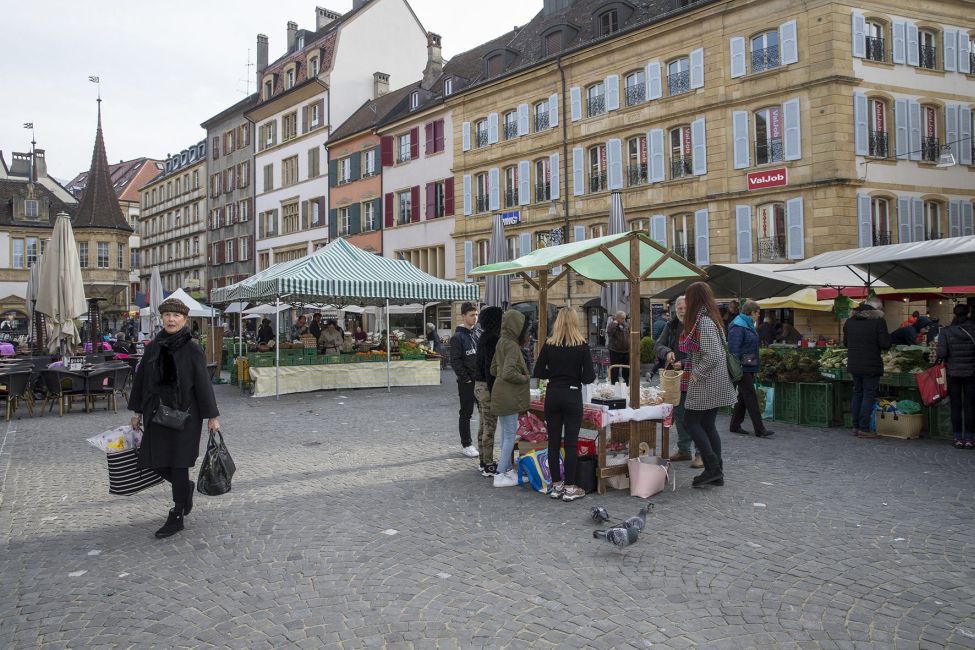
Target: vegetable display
{"x":906,"y":358}
{"x":790,"y":367}
{"x":833,"y":358}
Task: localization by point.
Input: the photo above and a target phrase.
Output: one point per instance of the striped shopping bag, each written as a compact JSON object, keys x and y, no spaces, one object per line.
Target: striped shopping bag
{"x":124,"y":475}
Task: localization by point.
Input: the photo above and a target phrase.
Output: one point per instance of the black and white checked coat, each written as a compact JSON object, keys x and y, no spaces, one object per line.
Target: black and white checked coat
{"x":710,"y":386}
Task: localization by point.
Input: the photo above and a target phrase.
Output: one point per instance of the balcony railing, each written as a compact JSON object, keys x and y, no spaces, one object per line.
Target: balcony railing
{"x":765,"y":58}
{"x":875,"y":49}
{"x":878,"y":144}
{"x":930,"y":149}
{"x":481,"y":204}
{"x":510,"y":130}
{"x":480,"y":139}
{"x":541,"y":122}
{"x":927,"y":57}
{"x":679,"y":82}
{"x":511,"y":198}
{"x":767,"y":151}
{"x":543,"y":192}
{"x":881,"y":238}
{"x":596,"y":105}
{"x":771,"y":248}
{"x":597,"y":182}
{"x":636,"y":94}
{"x":637,"y":174}
{"x":685,"y":250}
{"x":681,"y":167}
{"x":403,"y":156}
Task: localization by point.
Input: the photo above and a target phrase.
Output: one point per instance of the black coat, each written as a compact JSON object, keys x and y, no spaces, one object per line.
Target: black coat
{"x":865,"y":336}
{"x":956,"y":345}
{"x":906,"y":335}
{"x":463,"y":354}
{"x":162,"y":447}
{"x":668,"y":341}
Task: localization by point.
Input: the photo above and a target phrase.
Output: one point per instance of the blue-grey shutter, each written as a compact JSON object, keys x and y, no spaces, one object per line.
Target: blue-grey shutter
{"x":612,"y":92}
{"x":950,"y":41}
{"x":553,"y":111}
{"x":899,"y":51}
{"x":377,"y":210}
{"x":332,"y":172}
{"x":917,"y":220}
{"x":967,"y":219}
{"x":654,"y":84}
{"x":468,"y":207}
{"x":522,"y":119}
{"x":737,"y":57}
{"x":578,"y":172}
{"x":954,"y":218}
{"x":578,"y":233}
{"x":702,"y":238}
{"x":859,"y":35}
{"x":333,"y":223}
{"x":864,"y":221}
{"x":492,"y":120}
{"x":697,"y":68}
{"x":614,"y":162}
{"x":356,"y":166}
{"x":494,"y":188}
{"x":524,"y":182}
{"x":964,"y":53}
{"x":575,"y":103}
{"x":743,"y":228}
{"x":788,"y":43}
{"x":901,"y":138}
{"x":468,"y":259}
{"x":796,"y":235}
{"x":739,"y":120}
{"x":658,"y":229}
{"x":555,"y":174}
{"x":699,"y":146}
{"x":524,"y":243}
{"x":655,"y":143}
{"x":965,"y":135}
{"x":914,"y":126}
{"x":903,"y":221}
{"x":355,"y":218}
{"x":861,"y":135}
{"x":793,"y":133}
{"x":913,"y":55}
{"x":951,"y":131}
{"x":465,"y":136}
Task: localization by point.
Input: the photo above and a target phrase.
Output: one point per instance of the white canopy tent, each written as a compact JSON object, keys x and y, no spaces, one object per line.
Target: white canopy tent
{"x":197,"y":309}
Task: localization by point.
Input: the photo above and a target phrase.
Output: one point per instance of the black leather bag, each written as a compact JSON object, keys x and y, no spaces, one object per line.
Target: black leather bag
{"x":171,"y":418}
{"x":217,"y":469}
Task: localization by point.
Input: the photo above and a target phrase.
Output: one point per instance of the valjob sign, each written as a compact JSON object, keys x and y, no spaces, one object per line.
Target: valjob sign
{"x":768,"y":178}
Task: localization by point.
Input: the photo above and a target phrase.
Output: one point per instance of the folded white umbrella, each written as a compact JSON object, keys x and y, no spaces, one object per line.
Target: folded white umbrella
{"x":61,"y":291}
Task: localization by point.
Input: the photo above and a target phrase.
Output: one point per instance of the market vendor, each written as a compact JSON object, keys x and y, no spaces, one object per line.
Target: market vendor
{"x":907,"y":335}
{"x":265,"y":334}
{"x":315,"y":329}
{"x":299,"y":328}
{"x":330,"y":342}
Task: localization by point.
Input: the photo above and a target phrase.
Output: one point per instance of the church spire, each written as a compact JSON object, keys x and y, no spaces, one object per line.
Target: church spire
{"x":99,"y":207}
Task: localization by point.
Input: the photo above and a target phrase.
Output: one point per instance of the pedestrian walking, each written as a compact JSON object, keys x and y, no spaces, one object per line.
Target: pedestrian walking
{"x":709,"y":384}
{"x":463,"y":359}
{"x":743,"y":342}
{"x":956,"y":346}
{"x":487,"y":343}
{"x":669,"y":354}
{"x":173,"y":373}
{"x":510,"y":394}
{"x":865,"y":336}
{"x":566,"y":362}
{"x":618,"y":342}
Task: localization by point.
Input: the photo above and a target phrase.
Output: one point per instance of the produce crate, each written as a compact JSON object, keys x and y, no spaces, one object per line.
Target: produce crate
{"x":785,"y":407}
{"x":848,"y":420}
{"x":309,"y":353}
{"x":939,"y":421}
{"x":899,"y":379}
{"x":261,"y":359}
{"x":836,"y":374}
{"x":816,"y":404}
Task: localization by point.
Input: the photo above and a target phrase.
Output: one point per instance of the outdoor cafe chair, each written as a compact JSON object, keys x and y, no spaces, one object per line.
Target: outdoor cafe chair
{"x":15,"y":387}
{"x":98,"y":384}
{"x":63,"y":386}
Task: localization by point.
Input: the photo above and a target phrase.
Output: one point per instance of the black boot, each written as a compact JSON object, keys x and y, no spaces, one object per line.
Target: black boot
{"x":174,"y":523}
{"x":719,"y":481}
{"x":712,"y":471}
{"x":189,"y":500}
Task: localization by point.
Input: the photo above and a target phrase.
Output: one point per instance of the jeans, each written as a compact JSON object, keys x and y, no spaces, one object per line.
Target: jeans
{"x":702,"y":427}
{"x":563,"y":412}
{"x":466,"y":392}
{"x":961,"y":392}
{"x":747,"y":401}
{"x":509,"y":428}
{"x":180,"y":479}
{"x":488,"y":423}
{"x":619,"y":358}
{"x":684,"y":442}
{"x":865,"y":389}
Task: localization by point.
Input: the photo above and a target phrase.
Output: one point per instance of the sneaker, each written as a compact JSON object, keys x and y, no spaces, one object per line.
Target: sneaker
{"x":491,"y":469}
{"x":697,"y":463}
{"x":508,"y":479}
{"x":557,"y":490}
{"x":470,"y":451}
{"x":573,"y":492}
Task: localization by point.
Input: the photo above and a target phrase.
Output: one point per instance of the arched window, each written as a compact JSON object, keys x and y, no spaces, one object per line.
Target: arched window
{"x":765,"y":51}
{"x":681,"y":150}
{"x":597,"y":168}
{"x":510,"y":125}
{"x":932,"y":221}
{"x":596,"y":99}
{"x":636,"y":87}
{"x":877,"y":121}
{"x":930,"y":142}
{"x":880,"y":216}
{"x":636,"y":160}
{"x":682,"y":235}
{"x":875,"y":40}
{"x":480,"y":133}
{"x":542,"y":121}
{"x":927,"y":49}
{"x":678,"y":76}
{"x":768,"y":135}
{"x":609,"y":22}
{"x":771,"y":231}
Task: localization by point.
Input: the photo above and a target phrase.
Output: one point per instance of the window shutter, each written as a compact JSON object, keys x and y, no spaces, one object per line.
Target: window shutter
{"x":575,"y":103}
{"x":699,"y":146}
{"x":386,"y":149}
{"x":555,"y":174}
{"x":861,"y":136}
{"x":655,"y":141}
{"x":793,"y":132}
{"x":742,"y":149}
{"x":494,"y":188}
{"x":795,"y":244}
{"x":578,"y":172}
{"x":743,"y":226}
{"x":388,"y":210}
{"x":304,"y":119}
{"x":899,"y":51}
{"x":468,"y":259}
{"x":524,"y":243}
{"x":415,"y":204}
{"x":702,"y":238}
{"x":578,"y":233}
{"x":859,"y":35}
{"x":465,"y":136}
{"x":950,"y":42}
{"x":333,"y":171}
{"x":448,"y":196}
{"x":468,"y":208}
{"x":903,"y":221}
{"x":355,"y":217}
{"x":522,"y":119}
{"x":658,"y":229}
{"x":901,"y":139}
{"x":431,"y":193}
{"x":964,"y":53}
{"x":333,"y":223}
{"x":614,"y":162}
{"x":553,"y":110}
{"x":914,"y":126}
{"x":492,"y":128}
{"x":737,"y":57}
{"x":304,"y":215}
{"x":438,"y":135}
{"x":954,"y":218}
{"x":967,"y":220}
{"x":654,"y":85}
{"x":788,"y":43}
{"x":524,"y":182}
{"x":612,"y":92}
{"x":864,"y":221}
{"x":917,"y":220}
{"x":697,"y":68}
{"x":414,"y":143}
{"x":430,"y":146}
{"x":951,"y":131}
{"x":965,"y":135}
{"x":356,"y":166}
{"x":913,"y":55}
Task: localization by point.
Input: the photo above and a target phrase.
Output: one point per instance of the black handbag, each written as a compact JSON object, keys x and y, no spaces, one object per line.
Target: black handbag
{"x":217,"y":468}
{"x":749,"y":359}
{"x":169,"y":417}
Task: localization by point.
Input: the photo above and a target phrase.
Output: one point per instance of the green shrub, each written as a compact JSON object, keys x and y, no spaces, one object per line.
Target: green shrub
{"x":646,"y":350}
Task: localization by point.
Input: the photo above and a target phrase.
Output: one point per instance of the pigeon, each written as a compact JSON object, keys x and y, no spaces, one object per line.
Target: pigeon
{"x":639,"y":521}
{"x":618,"y":537}
{"x":599,"y":514}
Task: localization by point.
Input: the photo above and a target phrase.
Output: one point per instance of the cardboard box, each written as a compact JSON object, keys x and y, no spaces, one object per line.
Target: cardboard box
{"x":905,"y":427}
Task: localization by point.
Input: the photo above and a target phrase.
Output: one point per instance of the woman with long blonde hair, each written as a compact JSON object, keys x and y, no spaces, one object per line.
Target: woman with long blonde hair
{"x":566,"y":362}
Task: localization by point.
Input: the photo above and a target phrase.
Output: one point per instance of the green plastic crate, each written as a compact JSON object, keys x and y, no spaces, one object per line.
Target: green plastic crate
{"x":848,"y":420}
{"x":785,"y":407}
{"x":816,"y":404}
{"x":939,"y":421}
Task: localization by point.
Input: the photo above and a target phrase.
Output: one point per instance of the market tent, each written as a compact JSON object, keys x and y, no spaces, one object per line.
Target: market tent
{"x":196,"y":308}
{"x":802,"y":299}
{"x":759,"y":281}
{"x":932,"y":263}
{"x":266,"y":309}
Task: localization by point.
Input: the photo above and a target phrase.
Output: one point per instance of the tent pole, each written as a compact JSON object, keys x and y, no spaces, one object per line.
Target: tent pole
{"x":388,"y":347}
{"x":277,"y":345}
{"x":634,"y":323}
{"x":542,"y":311}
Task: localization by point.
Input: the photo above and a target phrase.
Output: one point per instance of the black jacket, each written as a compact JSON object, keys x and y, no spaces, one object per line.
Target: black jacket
{"x":487,"y":343}
{"x":906,"y":335}
{"x":956,"y":345}
{"x":463,"y":354}
{"x":668,"y":340}
{"x":865,"y":337}
{"x":565,"y":366}
{"x":265,"y":334}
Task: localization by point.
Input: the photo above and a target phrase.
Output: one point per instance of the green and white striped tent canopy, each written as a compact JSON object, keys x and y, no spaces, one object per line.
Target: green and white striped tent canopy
{"x":343,"y":274}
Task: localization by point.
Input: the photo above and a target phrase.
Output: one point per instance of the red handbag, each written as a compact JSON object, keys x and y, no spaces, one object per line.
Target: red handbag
{"x":932,"y":384}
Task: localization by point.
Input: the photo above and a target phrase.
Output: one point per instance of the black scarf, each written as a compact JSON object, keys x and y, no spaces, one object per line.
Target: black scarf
{"x":161,"y":364}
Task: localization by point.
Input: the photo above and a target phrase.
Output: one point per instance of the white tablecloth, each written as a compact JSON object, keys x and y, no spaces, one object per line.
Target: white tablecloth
{"x":303,"y":379}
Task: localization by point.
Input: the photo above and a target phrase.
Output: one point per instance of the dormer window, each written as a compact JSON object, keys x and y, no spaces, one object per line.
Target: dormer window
{"x":301,"y":42}
{"x":553,"y":43}
{"x":495,"y":65}
{"x":268,"y":89}
{"x":289,"y":78}
{"x":30,"y":209}
{"x":608,"y":22}
{"x":414,"y":99}
{"x":313,"y":68}
{"x":448,"y":86}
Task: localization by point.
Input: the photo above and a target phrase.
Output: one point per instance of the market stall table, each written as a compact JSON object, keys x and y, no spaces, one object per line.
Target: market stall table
{"x":303,"y":379}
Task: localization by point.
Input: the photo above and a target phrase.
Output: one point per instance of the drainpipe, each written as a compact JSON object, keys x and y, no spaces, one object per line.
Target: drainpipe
{"x":565,"y":176}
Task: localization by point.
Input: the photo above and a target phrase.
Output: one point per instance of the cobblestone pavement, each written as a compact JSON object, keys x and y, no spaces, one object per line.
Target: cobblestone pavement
{"x":355,"y":522}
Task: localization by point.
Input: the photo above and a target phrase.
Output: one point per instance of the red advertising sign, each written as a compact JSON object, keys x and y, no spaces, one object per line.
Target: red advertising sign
{"x":778,"y":177}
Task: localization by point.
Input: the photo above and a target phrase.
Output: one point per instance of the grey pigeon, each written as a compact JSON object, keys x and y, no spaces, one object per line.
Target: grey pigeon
{"x":618,"y":537}
{"x":639,"y":521}
{"x":599,"y":514}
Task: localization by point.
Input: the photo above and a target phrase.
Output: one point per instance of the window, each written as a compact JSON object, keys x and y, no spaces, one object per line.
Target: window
{"x":268,"y":177}
{"x":543,"y":180}
{"x":289,"y":219}
{"x":932,"y":220}
{"x":196,"y":179}
{"x":343,"y":170}
{"x":495,"y":65}
{"x":771,"y":232}
{"x":927,"y":50}
{"x":315,"y":215}
{"x":268,"y":134}
{"x":480,"y":133}
{"x":229,"y":249}
{"x":768,"y":135}
{"x":30,"y":209}
{"x":681,"y":151}
{"x":369,"y":216}
{"x":511,"y":246}
{"x":133,"y":258}
{"x":596,"y":99}
{"x":682,"y":235}
{"x":344,"y":216}
{"x":878,"y":128}
{"x":636,"y":87}
{"x":244,"y":249}
{"x":599,"y":230}
{"x":678,"y":76}
{"x":437,"y":196}
{"x":597,"y":168}
{"x":289,"y":171}
{"x":880,"y":216}
{"x":510,"y":125}
{"x":448,"y":86}
{"x":930,"y":144}
{"x":313,"y":67}
{"x":608,"y":22}
{"x":268,"y":89}
{"x":414,"y":99}
{"x":242,"y":211}
{"x":404,"y":201}
{"x":403,"y":148}
{"x":196,"y":245}
{"x":640,"y":225}
{"x":196,"y":213}
{"x":541,"y":116}
{"x":121,"y":256}
{"x":102,"y":249}
{"x":31,"y":246}
{"x":636,"y":160}
{"x":553,"y":42}
{"x":289,"y":78}
{"x":510,"y":187}
{"x":243,"y":174}
{"x":875,"y":46}
{"x":481,"y":189}
{"x":289,"y":126}
{"x":765,"y":51}
{"x":314,"y":115}
{"x":313,"y":165}
{"x":482,"y":252}
{"x":18,"y":254}
{"x":368,"y":162}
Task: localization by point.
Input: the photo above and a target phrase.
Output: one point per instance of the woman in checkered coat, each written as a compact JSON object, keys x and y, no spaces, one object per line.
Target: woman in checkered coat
{"x":709,"y":386}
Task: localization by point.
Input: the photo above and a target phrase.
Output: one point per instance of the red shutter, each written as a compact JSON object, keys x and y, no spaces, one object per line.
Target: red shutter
{"x":389,"y":209}
{"x":448,"y":196}
{"x":431,"y":146}
{"x":438,"y":136}
{"x":386,"y":150}
{"x":415,"y":203}
{"x":431,"y":198}
{"x":414,"y":143}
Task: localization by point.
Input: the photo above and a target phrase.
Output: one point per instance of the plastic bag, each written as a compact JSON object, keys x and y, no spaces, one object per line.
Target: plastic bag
{"x":117,"y":439}
{"x":908,"y":407}
{"x":217,"y":469}
{"x":531,"y":428}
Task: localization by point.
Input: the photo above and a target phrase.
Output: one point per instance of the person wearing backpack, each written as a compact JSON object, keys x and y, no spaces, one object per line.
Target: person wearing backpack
{"x":956,"y":347}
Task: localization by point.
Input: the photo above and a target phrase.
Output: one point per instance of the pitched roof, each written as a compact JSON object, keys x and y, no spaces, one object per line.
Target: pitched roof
{"x":237,"y":109}
{"x":99,"y":207}
{"x":17,"y":188}
{"x":122,"y":173}
{"x":373,"y":111}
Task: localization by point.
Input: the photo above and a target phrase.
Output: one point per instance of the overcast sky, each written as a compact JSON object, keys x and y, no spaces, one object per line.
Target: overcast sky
{"x":165,"y":67}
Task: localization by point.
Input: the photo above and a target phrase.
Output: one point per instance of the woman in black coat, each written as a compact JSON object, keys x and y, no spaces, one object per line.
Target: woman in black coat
{"x":956,"y":346}
{"x":173,"y":373}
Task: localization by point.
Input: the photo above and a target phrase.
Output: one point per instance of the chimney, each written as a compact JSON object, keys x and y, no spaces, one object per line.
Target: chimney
{"x":324,"y":16}
{"x":380,"y":84}
{"x":292,"y":34}
{"x":434,"y":61}
{"x":40,"y":164}
{"x":261,"y":59}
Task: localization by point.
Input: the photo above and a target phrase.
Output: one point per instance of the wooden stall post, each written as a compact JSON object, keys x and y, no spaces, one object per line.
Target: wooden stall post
{"x":542,"y":310}
{"x":634,"y":323}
